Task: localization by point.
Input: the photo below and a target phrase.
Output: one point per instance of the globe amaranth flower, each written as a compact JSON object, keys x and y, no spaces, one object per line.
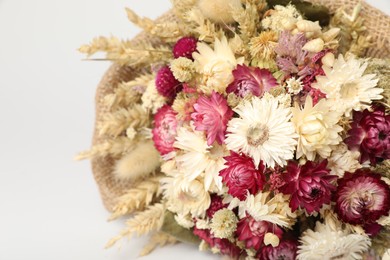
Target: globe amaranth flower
{"x":212,"y":115}
{"x":241,"y":175}
{"x":164,"y":130}
{"x":309,"y":185}
{"x":184,"y":47}
{"x":251,"y":80}
{"x":166,"y":83}
{"x":223,"y":245}
{"x":287,"y":249}
{"x":370,"y":134}
{"x":362,"y":197}
{"x":252,"y":232}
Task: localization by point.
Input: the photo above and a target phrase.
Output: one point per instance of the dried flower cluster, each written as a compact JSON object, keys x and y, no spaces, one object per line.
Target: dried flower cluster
{"x":271,"y":135}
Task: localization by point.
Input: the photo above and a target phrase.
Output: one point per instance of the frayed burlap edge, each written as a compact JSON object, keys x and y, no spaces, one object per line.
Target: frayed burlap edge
{"x":378,"y":25}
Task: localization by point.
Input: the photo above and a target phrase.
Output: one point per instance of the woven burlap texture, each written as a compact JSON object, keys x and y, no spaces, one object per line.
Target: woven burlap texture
{"x":110,"y":188}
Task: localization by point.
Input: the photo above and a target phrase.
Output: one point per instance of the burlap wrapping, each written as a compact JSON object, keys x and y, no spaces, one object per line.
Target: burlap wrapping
{"x":378,"y":25}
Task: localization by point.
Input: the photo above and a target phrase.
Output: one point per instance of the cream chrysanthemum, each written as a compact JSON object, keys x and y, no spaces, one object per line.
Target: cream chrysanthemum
{"x":263,"y":131}
{"x":343,"y":160}
{"x":224,"y":223}
{"x":260,"y":208}
{"x":326,"y":243}
{"x":282,"y":18}
{"x":197,"y":159}
{"x":216,"y":65}
{"x":347,"y":87}
{"x":183,"y":196}
{"x":317,"y":129}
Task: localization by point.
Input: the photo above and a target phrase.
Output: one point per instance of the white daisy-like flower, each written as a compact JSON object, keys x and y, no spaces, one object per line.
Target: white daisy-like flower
{"x":343,"y":160}
{"x":317,"y":129}
{"x":185,"y":197}
{"x":216,"y":65}
{"x":326,"y":243}
{"x":262,"y":131}
{"x":346,"y":85}
{"x":259,"y":208}
{"x":294,"y":85}
{"x":197,"y":159}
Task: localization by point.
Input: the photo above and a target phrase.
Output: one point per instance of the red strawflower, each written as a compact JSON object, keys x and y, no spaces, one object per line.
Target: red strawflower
{"x":164,"y":130}
{"x":251,"y":80}
{"x":252,"y":232}
{"x":309,"y":185}
{"x":362,"y":197}
{"x":215,"y":205}
{"x":184,"y":47}
{"x":241,"y":175}
{"x":287,"y":249}
{"x":370,"y":134}
{"x":224,"y":245}
{"x":212,"y":115}
{"x":166,"y":83}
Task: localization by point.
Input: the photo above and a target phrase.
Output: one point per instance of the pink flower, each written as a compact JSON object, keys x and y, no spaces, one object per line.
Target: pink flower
{"x":241,"y":175}
{"x":362,"y":197}
{"x":309,"y":185}
{"x":251,"y":80}
{"x":166,"y":83}
{"x":224,"y":245}
{"x":370,"y":134}
{"x":184,"y":47}
{"x":215,"y":205}
{"x":252,"y":232}
{"x":287,"y":249}
{"x":164,"y":130}
{"x":212,"y":115}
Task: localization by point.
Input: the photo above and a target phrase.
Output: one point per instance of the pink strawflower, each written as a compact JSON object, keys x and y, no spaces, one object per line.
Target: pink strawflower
{"x":224,"y":245}
{"x":241,"y":175}
{"x":362,"y":197}
{"x":184,"y":47}
{"x":164,"y":130}
{"x":309,"y":185}
{"x":215,"y":205}
{"x":370,"y":134}
{"x":252,"y":232}
{"x":287,"y":249}
{"x":251,"y":80}
{"x":212,"y":115}
{"x":166,"y":83}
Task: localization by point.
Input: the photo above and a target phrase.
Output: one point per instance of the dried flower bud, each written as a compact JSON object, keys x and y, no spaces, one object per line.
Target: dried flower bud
{"x":315,"y":45}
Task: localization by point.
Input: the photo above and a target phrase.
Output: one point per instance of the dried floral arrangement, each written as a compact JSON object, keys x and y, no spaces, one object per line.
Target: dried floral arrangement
{"x":256,"y":129}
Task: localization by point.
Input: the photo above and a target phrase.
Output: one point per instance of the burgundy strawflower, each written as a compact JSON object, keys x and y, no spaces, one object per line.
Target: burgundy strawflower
{"x":362,"y":197}
{"x":166,"y":83}
{"x":370,"y":134}
{"x":212,"y":115}
{"x":215,"y":205}
{"x":309,"y":185}
{"x":287,"y":249}
{"x":252,"y":232}
{"x":184,"y":47}
{"x":224,"y":245}
{"x":251,"y":80}
{"x":164,"y":130}
{"x":241,"y":175}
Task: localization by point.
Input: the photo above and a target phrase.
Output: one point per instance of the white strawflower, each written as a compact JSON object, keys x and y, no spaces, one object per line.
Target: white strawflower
{"x":326,"y":243}
{"x":263,"y":131}
{"x":294,"y":85}
{"x":386,"y":255}
{"x":216,"y":65}
{"x":346,"y":85}
{"x":224,"y":223}
{"x":184,"y":221}
{"x":343,"y":160}
{"x":185,"y":197}
{"x":197,"y":159}
{"x":317,"y":129}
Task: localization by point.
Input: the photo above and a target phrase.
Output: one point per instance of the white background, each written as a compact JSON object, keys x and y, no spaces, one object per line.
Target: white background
{"x":49,"y":204}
